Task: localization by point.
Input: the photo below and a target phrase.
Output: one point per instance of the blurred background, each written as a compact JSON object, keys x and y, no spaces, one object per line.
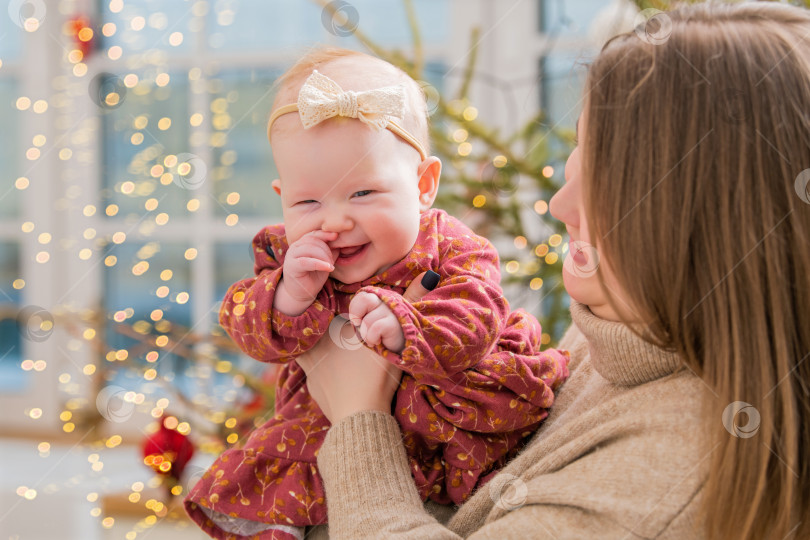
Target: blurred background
{"x":136,"y":170}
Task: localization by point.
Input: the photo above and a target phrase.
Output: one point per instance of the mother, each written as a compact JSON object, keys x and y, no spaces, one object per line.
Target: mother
{"x":687,"y":411}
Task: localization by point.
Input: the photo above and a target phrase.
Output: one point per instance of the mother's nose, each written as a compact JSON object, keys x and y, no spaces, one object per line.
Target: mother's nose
{"x":565,"y":205}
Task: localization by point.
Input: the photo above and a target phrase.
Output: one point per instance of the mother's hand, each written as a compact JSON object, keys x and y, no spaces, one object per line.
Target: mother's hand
{"x":344,"y":380}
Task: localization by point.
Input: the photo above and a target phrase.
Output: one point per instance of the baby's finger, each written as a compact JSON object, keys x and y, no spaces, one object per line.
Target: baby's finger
{"x":315,"y":249}
{"x":361,"y":305}
{"x":373,"y":334}
{"x":324,"y":236}
{"x":364,"y":335}
{"x":383,"y":328}
{"x":310,"y":264}
{"x":376,"y":314}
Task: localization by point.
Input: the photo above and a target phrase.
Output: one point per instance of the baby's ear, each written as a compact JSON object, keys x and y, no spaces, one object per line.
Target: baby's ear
{"x":276,"y":186}
{"x":429,"y":172}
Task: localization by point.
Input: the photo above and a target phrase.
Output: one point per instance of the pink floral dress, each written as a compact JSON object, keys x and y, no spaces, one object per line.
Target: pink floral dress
{"x":475,"y":381}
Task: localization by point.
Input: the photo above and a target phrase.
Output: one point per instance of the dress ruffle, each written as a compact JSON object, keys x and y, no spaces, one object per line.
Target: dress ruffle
{"x":272,"y":479}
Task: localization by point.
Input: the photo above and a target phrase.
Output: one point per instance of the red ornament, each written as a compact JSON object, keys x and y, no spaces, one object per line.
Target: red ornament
{"x":84,"y":38}
{"x":167,"y":451}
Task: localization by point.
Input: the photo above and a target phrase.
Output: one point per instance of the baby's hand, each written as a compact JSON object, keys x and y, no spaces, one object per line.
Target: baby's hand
{"x":376,"y":322}
{"x":307,"y":265}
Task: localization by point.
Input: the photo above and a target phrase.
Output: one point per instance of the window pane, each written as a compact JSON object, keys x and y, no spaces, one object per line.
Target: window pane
{"x":243,"y":161}
{"x":266,"y":24}
{"x":263,"y":24}
{"x":163,"y":286}
{"x":11,"y":28}
{"x":144,"y":25}
{"x":565,"y":18}
{"x":12,"y":378}
{"x":10,"y":154}
{"x":563,"y":76}
{"x":233,"y":262}
{"x":386,"y":22}
{"x":150,"y":125}
{"x":147,"y":290}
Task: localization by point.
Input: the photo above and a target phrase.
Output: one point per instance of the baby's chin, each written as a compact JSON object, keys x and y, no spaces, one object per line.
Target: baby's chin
{"x":340,"y":276}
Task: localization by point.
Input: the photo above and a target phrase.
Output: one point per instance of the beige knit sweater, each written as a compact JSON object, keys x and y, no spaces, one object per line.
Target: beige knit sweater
{"x":620,"y":456}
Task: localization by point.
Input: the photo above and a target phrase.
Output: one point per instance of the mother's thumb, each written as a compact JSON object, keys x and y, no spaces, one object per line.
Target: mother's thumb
{"x":419,"y":287}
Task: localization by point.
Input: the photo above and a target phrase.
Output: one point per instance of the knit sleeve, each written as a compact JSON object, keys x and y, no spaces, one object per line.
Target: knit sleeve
{"x":633,"y":476}
{"x":371,"y":494}
{"x":247,"y":313}
{"x":558,"y":522}
{"x":457,"y":324}
{"x":368,"y":483}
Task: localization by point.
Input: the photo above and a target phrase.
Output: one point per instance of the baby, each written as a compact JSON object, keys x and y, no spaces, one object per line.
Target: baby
{"x":349,"y":135}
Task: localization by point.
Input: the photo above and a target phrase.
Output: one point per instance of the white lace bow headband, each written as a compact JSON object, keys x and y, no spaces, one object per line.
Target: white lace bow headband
{"x":321,"y":98}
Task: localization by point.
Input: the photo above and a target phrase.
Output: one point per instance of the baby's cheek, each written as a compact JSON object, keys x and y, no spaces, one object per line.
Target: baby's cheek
{"x":297,"y":224}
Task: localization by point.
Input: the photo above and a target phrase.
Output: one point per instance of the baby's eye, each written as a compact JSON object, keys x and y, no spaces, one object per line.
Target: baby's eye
{"x":308,"y":201}
{"x":362,"y":193}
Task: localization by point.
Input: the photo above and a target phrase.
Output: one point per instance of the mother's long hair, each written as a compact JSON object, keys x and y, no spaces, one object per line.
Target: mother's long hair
{"x":696,"y":168}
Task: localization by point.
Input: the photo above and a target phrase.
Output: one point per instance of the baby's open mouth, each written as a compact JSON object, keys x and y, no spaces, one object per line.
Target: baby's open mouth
{"x":347,"y":251}
{"x":350,"y":253}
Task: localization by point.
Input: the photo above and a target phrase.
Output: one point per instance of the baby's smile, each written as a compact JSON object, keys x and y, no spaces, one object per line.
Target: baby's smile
{"x":350,"y":254}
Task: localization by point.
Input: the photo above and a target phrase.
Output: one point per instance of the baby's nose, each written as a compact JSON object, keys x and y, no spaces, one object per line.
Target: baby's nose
{"x":337,"y":222}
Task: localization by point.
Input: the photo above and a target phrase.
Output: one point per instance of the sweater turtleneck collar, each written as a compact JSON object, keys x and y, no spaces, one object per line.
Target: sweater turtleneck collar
{"x":619,"y":355}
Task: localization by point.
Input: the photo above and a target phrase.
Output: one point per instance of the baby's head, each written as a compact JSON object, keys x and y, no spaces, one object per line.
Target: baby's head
{"x":342,"y":175}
